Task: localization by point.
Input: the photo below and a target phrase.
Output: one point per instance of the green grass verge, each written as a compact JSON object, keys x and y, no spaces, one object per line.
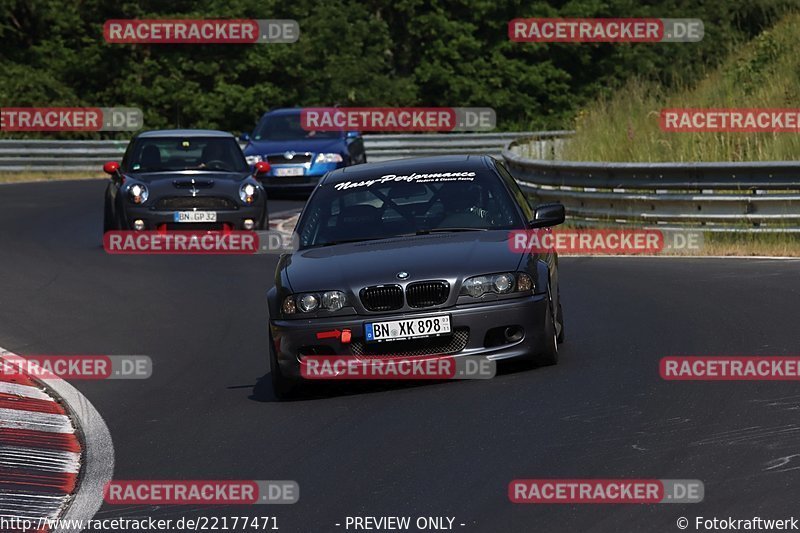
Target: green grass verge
{"x":764,"y":73}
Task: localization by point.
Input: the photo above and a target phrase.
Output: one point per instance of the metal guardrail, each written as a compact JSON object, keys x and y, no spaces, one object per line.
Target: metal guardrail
{"x":753,"y":197}
{"x":720,"y":197}
{"x":82,"y":156}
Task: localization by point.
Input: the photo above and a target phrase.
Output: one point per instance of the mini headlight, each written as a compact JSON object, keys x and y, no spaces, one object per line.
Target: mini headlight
{"x":328,"y":158}
{"x":138,"y":193}
{"x":253,"y":159}
{"x":289,"y":307}
{"x":333,"y":300}
{"x":247,"y":193}
{"x":308,"y":303}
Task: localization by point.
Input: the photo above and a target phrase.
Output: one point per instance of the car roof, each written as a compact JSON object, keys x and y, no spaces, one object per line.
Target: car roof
{"x":431,"y":164}
{"x":183,"y":133}
{"x":285,"y":111}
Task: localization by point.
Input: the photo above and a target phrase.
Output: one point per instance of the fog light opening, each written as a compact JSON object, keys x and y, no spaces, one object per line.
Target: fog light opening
{"x":513,"y":333}
{"x":138,"y":224}
{"x":249,"y":224}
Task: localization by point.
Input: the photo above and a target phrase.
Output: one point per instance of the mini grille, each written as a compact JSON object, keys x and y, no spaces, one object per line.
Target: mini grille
{"x":382,"y":297}
{"x":198,"y":202}
{"x":427,"y":293}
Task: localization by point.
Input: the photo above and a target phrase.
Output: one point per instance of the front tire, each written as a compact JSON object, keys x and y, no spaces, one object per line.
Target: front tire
{"x":108,"y":220}
{"x":283,"y":387}
{"x":560,"y":319}
{"x":548,"y":355}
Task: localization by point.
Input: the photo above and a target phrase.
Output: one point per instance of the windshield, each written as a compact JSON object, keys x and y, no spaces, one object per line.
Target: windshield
{"x":288,"y":128}
{"x":163,"y":154}
{"x":390,"y":205}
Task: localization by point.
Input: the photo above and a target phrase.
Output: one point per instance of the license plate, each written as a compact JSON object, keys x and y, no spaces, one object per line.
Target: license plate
{"x":289,"y":171}
{"x":407,"y":329}
{"x":195,"y":216}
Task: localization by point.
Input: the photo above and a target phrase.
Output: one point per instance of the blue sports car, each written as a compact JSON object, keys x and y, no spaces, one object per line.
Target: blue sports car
{"x":298,"y":158}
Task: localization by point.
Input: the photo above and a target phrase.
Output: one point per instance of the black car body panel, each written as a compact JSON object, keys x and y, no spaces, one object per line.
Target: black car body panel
{"x":172,"y":190}
{"x":443,"y":255}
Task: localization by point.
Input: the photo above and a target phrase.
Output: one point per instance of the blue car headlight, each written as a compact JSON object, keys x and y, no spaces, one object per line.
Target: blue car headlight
{"x":328,"y":158}
{"x":253,"y":159}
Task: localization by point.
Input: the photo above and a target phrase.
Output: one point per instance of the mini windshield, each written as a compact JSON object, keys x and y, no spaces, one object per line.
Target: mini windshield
{"x":164,"y":154}
{"x":391,"y":205}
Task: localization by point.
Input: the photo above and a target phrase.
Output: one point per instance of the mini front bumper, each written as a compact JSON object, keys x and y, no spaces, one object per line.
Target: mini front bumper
{"x":483,"y":321}
{"x":233,"y":219}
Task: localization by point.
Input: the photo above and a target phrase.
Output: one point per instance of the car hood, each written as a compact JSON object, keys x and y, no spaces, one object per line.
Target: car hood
{"x":302,"y":145}
{"x":205,"y":183}
{"x":187,"y":175}
{"x":451,"y":256}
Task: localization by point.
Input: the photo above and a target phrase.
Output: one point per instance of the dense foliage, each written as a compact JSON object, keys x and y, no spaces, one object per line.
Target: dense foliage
{"x":351,"y":52}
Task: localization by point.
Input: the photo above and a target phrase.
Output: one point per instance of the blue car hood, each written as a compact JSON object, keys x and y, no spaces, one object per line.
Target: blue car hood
{"x":302,"y":145}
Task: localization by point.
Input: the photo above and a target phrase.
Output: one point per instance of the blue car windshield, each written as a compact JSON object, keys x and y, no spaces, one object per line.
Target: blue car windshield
{"x":288,"y":128}
{"x":391,"y":205}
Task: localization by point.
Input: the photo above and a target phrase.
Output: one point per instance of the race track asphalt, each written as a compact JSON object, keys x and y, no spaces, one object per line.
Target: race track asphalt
{"x":442,"y":449}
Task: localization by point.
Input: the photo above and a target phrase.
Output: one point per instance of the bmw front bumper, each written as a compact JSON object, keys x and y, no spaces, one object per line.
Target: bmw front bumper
{"x":485,"y":325}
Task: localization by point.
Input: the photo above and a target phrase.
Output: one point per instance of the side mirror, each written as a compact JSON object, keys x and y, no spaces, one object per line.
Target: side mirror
{"x":111,"y":168}
{"x":547,"y":215}
{"x":244,"y":137}
{"x":262,"y":168}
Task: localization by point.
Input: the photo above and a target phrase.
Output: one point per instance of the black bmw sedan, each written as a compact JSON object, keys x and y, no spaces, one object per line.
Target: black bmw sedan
{"x":187,"y":180}
{"x":412,"y":258}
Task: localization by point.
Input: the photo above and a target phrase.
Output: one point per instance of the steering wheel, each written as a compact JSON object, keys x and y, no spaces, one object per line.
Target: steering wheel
{"x":217,"y":162}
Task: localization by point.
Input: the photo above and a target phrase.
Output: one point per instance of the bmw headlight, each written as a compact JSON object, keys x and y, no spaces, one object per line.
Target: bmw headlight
{"x":328,"y":158}
{"x":138,"y":193}
{"x":310,"y":302}
{"x":253,"y":159}
{"x":504,"y":283}
{"x":333,"y":300}
{"x":248,"y":193}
